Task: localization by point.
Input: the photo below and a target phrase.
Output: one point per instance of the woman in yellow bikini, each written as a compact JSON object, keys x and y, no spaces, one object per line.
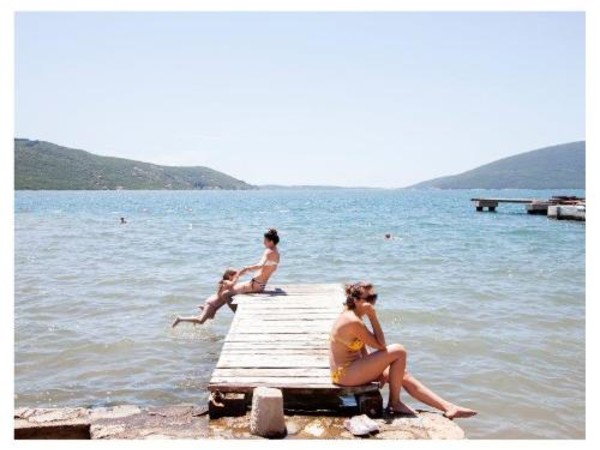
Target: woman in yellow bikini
{"x":352,"y":365}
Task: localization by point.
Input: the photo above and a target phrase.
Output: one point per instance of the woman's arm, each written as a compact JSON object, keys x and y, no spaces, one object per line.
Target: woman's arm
{"x":370,"y":339}
{"x":372,"y":315}
{"x":374,"y":339}
{"x":262,"y":262}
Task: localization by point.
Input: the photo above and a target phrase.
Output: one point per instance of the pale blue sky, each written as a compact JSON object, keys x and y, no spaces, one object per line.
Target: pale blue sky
{"x":369,"y":99}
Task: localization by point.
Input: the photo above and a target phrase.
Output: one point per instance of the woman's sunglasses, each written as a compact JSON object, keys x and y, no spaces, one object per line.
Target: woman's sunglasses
{"x":370,"y":298}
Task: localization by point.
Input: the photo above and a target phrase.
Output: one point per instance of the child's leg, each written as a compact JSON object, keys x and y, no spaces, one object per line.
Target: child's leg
{"x":208,"y":311}
{"x":191,"y":319}
{"x":211,"y":305}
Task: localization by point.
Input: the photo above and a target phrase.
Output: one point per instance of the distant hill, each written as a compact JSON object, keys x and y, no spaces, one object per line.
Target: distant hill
{"x":557,"y":167}
{"x":43,"y":165}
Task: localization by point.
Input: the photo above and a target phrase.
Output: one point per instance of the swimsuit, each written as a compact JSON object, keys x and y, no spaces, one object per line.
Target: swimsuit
{"x":354,"y":346}
{"x":262,"y":284}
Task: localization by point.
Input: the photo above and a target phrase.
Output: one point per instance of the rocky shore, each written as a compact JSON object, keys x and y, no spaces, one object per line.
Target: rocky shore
{"x":192,"y":422}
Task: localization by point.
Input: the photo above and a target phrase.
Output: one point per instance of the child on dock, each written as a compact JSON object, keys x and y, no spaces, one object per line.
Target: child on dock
{"x":230,"y":277}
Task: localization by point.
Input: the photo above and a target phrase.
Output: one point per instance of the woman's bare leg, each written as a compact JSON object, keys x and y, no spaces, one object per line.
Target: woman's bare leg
{"x":419,"y":391}
{"x":372,"y":366}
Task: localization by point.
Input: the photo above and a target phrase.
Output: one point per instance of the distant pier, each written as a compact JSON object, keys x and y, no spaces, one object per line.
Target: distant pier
{"x":557,"y":207}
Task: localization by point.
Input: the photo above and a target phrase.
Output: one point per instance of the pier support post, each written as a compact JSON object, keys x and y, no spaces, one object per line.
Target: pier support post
{"x":226,"y":405}
{"x":370,"y":403}
{"x":267,"y":418}
{"x":490,"y":204}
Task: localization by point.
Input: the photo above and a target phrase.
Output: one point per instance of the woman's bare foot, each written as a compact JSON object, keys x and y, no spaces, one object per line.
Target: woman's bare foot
{"x":400,"y":408}
{"x":458,"y":412}
{"x":176,"y":322}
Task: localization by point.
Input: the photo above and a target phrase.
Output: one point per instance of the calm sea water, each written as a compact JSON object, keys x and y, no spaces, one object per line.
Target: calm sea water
{"x":490,"y":306}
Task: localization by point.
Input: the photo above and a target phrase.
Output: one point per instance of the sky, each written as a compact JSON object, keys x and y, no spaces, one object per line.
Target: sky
{"x":348,"y":99}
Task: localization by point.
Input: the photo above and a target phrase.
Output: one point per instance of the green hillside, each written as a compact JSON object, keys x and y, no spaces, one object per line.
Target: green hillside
{"x":557,"y":167}
{"x":43,"y":165}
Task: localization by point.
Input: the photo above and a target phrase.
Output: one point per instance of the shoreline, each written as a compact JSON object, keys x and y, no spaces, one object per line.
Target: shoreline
{"x":189,"y":421}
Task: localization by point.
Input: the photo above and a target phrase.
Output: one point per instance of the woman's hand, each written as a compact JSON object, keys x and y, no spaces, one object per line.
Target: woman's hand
{"x":369,"y":310}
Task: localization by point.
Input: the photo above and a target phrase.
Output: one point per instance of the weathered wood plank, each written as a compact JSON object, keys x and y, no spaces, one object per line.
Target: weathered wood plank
{"x":278,"y":381}
{"x":290,"y":346}
{"x":254,"y":322}
{"x":272,"y":372}
{"x":274,"y":327}
{"x":266,"y":361}
{"x":285,"y":320}
{"x":291,"y":300}
{"x":275,"y":351}
{"x":277,"y":329}
{"x":280,"y":337}
{"x":292,"y":315}
{"x":328,"y":298}
{"x":300,"y":312}
{"x":318,"y":389}
{"x":238,"y":362}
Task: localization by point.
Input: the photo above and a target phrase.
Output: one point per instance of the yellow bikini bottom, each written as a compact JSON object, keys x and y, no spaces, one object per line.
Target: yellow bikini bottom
{"x":338,"y":373}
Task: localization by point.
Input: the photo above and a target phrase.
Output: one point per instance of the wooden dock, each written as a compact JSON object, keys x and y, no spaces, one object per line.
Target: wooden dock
{"x":492,"y":203}
{"x":280,"y":339}
{"x":573,"y":207}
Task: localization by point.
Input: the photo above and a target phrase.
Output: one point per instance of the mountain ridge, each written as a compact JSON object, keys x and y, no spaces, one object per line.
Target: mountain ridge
{"x":44,"y":165}
{"x":559,"y":166}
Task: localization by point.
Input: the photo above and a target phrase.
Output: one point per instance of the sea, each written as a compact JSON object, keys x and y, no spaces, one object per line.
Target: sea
{"x":490,"y":306}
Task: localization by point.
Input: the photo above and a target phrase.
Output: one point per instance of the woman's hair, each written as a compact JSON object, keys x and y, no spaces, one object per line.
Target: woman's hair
{"x":356,"y":291}
{"x":272,"y":235}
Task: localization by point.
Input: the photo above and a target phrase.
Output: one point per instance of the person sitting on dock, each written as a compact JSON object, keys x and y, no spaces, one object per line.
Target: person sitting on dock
{"x":228,"y":281}
{"x":266,"y":267}
{"x":352,"y":365}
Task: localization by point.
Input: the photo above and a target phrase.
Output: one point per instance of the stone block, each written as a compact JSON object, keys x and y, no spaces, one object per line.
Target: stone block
{"x":267,"y":418}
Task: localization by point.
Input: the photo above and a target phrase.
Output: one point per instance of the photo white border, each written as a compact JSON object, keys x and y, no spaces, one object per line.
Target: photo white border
{"x":7,"y":11}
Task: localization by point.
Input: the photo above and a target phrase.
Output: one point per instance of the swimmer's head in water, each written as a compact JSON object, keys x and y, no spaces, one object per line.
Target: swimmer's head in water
{"x":271,"y":238}
{"x":388,"y":235}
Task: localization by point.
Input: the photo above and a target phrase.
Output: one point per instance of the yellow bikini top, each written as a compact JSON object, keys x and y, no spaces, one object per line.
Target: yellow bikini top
{"x":354,"y":346}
